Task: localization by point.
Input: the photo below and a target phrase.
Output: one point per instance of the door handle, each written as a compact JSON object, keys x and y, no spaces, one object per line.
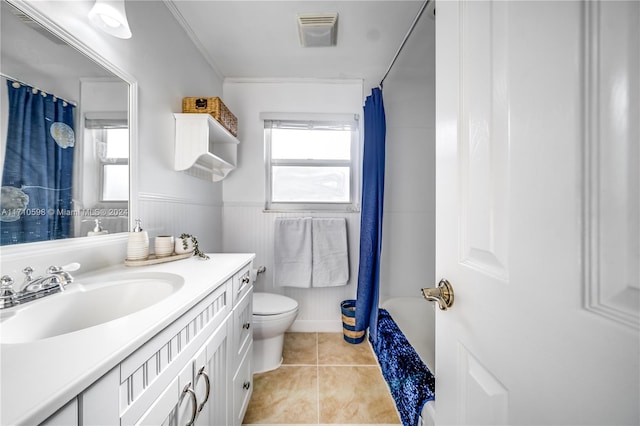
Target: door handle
{"x":194,"y":402}
{"x":207,"y":382}
{"x":443,"y":294}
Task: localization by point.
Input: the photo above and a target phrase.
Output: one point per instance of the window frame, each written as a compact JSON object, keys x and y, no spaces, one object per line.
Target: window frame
{"x":101,"y":181}
{"x":99,"y":124}
{"x":314,"y":120}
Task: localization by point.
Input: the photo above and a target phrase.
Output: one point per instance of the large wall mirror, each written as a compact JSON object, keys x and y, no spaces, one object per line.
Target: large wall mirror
{"x":66,"y":129}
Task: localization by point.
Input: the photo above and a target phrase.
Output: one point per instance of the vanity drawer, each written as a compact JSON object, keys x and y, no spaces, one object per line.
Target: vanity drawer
{"x":243,"y":326}
{"x":242,"y":388}
{"x":241,"y":283}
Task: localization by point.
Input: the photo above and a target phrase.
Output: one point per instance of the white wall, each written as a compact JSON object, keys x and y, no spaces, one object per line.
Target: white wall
{"x":167,"y":67}
{"x":247,"y":227}
{"x":408,"y":253}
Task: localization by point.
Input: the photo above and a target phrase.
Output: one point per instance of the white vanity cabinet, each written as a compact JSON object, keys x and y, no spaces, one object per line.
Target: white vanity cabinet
{"x":195,"y":371}
{"x":242,"y":383}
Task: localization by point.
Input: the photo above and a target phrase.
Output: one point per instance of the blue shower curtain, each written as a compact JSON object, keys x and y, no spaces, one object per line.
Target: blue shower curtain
{"x":38,"y":166}
{"x":371,"y":215}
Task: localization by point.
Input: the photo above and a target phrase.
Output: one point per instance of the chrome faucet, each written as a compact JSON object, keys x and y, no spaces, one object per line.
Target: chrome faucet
{"x":55,"y":276}
{"x":55,"y":280}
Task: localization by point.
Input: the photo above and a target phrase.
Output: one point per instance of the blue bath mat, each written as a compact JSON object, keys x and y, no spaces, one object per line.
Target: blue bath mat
{"x":411,"y":382}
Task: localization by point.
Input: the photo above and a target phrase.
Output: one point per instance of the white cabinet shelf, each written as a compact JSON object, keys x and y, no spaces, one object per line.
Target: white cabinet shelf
{"x":204,"y":147}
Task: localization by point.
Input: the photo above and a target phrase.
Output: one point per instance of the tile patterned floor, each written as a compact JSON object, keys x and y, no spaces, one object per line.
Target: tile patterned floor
{"x":323,"y":381}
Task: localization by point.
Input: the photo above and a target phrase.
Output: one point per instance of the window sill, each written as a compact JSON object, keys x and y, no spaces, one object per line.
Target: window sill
{"x":347,"y":209}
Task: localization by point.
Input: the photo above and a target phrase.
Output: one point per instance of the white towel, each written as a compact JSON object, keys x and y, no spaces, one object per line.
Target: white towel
{"x":292,"y":252}
{"x":330,"y":254}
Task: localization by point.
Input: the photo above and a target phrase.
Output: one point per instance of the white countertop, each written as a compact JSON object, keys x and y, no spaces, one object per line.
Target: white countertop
{"x":41,"y":376}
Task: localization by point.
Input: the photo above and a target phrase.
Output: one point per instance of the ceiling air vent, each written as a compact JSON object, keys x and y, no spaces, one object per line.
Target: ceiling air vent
{"x":29,"y":22}
{"x":318,"y":29}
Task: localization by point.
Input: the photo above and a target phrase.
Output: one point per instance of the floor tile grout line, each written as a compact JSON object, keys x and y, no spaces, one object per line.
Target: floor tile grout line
{"x":329,"y":365}
{"x":318,"y":374}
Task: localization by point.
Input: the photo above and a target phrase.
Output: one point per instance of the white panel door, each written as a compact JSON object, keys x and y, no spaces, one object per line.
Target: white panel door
{"x":538,"y":195}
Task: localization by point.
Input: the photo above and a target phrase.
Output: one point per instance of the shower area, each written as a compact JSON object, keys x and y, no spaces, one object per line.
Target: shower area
{"x":408,"y":254}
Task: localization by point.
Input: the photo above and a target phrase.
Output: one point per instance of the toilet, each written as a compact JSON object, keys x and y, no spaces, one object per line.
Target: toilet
{"x":273,"y":314}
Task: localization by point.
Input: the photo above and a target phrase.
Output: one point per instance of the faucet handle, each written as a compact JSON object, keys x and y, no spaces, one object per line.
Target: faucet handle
{"x":7,"y":293}
{"x":6,"y":285}
{"x":28,"y":271}
{"x":66,"y":268}
{"x":74,"y":266}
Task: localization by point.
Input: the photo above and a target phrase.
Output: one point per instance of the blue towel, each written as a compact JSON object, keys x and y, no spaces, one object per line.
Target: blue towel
{"x":411,"y":382}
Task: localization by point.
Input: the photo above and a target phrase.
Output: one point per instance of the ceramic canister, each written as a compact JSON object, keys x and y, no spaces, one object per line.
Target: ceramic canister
{"x":163,"y":245}
{"x":138,"y":246}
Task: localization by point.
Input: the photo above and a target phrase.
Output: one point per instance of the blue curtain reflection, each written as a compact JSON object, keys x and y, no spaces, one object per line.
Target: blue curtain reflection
{"x":38,"y":167}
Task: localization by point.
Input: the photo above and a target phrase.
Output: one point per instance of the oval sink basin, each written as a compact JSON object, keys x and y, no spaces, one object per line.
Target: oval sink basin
{"x":87,"y":303}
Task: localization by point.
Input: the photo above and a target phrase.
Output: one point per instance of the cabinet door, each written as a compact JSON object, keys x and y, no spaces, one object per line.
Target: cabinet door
{"x":66,"y":416}
{"x":199,"y":392}
{"x":242,"y":388}
{"x":214,"y":411}
{"x":187,"y":408}
{"x":101,"y":401}
{"x":163,"y":410}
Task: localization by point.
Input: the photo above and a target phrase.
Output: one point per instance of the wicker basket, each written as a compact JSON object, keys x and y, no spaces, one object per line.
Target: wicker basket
{"x":216,"y":108}
{"x":348,"y":308}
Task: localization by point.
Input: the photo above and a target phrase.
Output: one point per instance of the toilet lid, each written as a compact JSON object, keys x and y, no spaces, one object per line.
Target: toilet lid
{"x":272,"y":304}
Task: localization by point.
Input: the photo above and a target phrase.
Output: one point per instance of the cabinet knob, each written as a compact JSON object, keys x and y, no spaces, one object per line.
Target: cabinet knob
{"x":245,"y":279}
{"x":246,"y":385}
{"x":246,"y":325}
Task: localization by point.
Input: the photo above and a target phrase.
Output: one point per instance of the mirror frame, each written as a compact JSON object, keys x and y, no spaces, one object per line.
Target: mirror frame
{"x":84,"y":49}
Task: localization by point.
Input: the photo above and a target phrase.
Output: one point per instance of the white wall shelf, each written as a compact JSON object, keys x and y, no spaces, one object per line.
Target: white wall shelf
{"x":202,"y":144}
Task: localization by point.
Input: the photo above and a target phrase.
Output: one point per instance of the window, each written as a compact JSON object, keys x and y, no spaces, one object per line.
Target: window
{"x":115,"y":166}
{"x":311,"y":164}
{"x":111,"y":137}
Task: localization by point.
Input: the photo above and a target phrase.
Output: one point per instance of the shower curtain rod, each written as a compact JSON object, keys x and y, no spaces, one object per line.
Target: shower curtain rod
{"x":404,"y":41}
{"x":8,"y":77}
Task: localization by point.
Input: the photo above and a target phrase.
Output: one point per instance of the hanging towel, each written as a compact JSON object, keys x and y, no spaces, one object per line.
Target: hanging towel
{"x":292,"y":252}
{"x":330,"y":254}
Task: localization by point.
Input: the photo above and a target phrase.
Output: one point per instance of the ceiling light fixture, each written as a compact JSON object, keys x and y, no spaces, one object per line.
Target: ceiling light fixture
{"x":318,"y":30}
{"x":110,"y":17}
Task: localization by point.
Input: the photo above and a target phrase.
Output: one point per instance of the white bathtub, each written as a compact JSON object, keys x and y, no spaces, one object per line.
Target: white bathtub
{"x":416,"y":318}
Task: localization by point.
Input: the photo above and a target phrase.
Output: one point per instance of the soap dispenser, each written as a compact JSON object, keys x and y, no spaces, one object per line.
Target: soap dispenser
{"x":97,"y":230}
{"x":138,"y":244}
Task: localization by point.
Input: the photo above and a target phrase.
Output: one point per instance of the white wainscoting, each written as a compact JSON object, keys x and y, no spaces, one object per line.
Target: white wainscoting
{"x":168,"y":215}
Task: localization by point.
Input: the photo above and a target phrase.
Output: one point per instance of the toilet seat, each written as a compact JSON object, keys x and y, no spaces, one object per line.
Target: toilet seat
{"x":266,"y":304}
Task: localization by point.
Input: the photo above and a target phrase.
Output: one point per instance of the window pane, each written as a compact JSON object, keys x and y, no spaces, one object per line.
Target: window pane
{"x":117,"y":143}
{"x":291,"y":144}
{"x":310,"y":184}
{"x":115,"y":185}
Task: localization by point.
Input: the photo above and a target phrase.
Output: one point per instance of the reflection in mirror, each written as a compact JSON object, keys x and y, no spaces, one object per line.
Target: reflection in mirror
{"x":65,"y":138}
